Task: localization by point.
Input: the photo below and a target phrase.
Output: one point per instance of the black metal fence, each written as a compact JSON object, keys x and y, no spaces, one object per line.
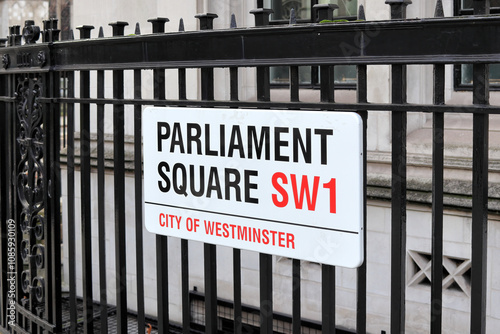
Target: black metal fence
{"x":38,"y":83}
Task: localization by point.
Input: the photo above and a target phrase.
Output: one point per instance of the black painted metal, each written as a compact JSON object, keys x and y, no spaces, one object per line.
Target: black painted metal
{"x":39,"y":67}
{"x":85,"y":181}
{"x":101,"y":181}
{"x":119,"y":191}
{"x":70,"y":163}
{"x":437,"y":202}
{"x":362,"y":97}
{"x":398,"y":196}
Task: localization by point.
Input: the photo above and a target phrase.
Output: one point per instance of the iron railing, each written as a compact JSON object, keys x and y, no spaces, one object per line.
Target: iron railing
{"x":32,"y":101}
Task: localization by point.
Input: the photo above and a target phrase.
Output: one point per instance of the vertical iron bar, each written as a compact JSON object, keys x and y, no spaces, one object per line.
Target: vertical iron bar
{"x":263,"y":83}
{"x":182,"y":83}
{"x":238,"y":324}
{"x":162,"y":282}
{"x":119,"y":192}
{"x":85,"y":178}
{"x":479,"y":200}
{"x":437,"y":202}
{"x":266,"y":293}
{"x":480,"y":96}
{"x":328,"y":298}
{"x":186,"y":307}
{"x":362,"y":90}
{"x":71,"y":203}
{"x":210,"y":265}
{"x":210,"y":250}
{"x":161,"y":240}
{"x":139,"y":255}
{"x":3,"y":201}
{"x":54,"y":236}
{"x":186,"y":311}
{"x":85,"y":182}
{"x":296,"y":301}
{"x":398,"y":193}
{"x":265,"y":260}
{"x":398,"y":200}
{"x":233,"y":78}
{"x":294,"y":83}
{"x":327,"y":94}
{"x":101,"y":204}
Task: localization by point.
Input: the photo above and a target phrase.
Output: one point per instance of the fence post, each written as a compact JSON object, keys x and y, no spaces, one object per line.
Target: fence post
{"x":265,"y":260}
{"x":119,"y":191}
{"x":210,"y":250}
{"x":398,"y":196}
{"x":479,"y":238}
{"x":85,"y":172}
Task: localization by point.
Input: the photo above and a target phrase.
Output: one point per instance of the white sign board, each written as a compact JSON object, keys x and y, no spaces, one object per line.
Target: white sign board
{"x":287,"y":183}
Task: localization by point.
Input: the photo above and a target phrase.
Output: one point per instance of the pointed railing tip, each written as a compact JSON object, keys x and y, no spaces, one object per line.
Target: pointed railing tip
{"x":137,"y":29}
{"x":439,"y":12}
{"x":233,"y":21}
{"x":181,"y":24}
{"x":361,"y":13}
{"x":101,"y":32}
{"x":293,"y":17}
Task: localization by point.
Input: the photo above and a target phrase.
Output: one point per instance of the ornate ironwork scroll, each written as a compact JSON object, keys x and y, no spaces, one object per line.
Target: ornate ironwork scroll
{"x":31,"y":184}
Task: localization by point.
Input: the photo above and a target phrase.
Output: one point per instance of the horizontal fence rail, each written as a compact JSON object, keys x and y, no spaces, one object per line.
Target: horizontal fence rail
{"x":83,"y":88}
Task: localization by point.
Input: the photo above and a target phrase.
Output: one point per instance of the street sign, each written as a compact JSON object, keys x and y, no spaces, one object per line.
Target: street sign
{"x":288,"y":183}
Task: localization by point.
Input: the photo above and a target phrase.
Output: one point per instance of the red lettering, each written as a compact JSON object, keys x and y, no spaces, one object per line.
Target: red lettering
{"x":225,"y":227}
{"x":265,"y":237}
{"x":256,"y":235}
{"x":290,"y":239}
{"x":162,"y":222}
{"x":232,"y":230}
{"x":304,"y":189}
{"x":281,"y":239}
{"x":218,"y":229}
{"x":274,"y":237}
{"x":333,"y":194}
{"x":209,"y":227}
{"x":280,"y":189}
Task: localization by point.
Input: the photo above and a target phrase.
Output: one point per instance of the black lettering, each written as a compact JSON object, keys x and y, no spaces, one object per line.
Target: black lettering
{"x":262,"y":143}
{"x":235,"y":184}
{"x":213,"y":183}
{"x":162,"y":134}
{"x":306,"y":149}
{"x":179,"y":187}
{"x":249,"y":185}
{"x":235,"y":142}
{"x":278,"y":144}
{"x":197,"y":193}
{"x":208,"y":151}
{"x":177,"y":138}
{"x":324,"y":150}
{"x":193,"y":137}
{"x":161,"y":167}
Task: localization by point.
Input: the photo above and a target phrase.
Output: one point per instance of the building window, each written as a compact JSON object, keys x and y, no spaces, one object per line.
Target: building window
{"x":345,"y":75}
{"x":463,"y":73}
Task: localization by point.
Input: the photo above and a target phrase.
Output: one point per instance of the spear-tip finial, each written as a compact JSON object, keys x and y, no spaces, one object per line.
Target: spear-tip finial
{"x":233,"y":21}
{"x":293,"y":16}
{"x":361,"y":13}
{"x":439,"y":12}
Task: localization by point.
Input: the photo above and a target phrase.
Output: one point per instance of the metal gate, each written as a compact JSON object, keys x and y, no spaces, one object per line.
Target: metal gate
{"x":39,"y":106}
